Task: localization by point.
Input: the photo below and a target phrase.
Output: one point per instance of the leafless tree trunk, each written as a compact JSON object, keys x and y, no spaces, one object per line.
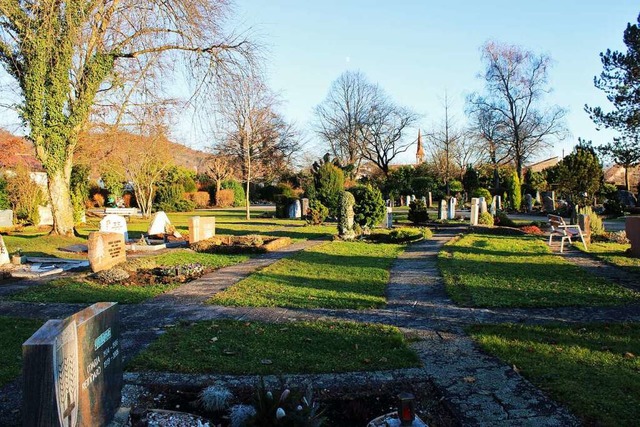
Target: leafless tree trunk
{"x":516,"y":81}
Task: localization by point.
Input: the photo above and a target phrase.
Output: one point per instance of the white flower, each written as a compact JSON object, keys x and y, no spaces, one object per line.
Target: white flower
{"x":284,"y":395}
{"x":280,"y":413}
{"x":299,"y":408}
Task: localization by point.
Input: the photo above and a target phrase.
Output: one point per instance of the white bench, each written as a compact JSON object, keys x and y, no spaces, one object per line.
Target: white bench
{"x":564,"y":230}
{"x":125,"y":212}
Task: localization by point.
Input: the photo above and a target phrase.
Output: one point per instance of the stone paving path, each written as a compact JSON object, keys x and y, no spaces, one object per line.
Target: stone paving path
{"x":482,"y":389}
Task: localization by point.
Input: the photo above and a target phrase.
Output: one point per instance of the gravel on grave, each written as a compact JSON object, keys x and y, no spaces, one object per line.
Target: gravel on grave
{"x":158,"y":418}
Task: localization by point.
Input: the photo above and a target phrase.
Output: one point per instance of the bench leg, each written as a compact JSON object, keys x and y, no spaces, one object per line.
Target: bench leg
{"x":550,"y":236}
{"x":583,"y":242}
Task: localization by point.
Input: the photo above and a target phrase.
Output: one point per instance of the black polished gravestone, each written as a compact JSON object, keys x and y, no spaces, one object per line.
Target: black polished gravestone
{"x":72,"y":370}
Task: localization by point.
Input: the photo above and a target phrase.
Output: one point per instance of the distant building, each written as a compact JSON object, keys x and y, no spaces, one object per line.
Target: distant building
{"x":615,"y":175}
{"x":542,"y":165}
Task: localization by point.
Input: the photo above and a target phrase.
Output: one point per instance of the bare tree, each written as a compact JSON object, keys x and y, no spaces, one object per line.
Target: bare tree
{"x":63,"y":54}
{"x":219,"y":168}
{"x":486,"y":128}
{"x":516,"y":82}
{"x":381,"y":133}
{"x":342,"y":115}
{"x":444,"y":139}
{"x":253,"y":132}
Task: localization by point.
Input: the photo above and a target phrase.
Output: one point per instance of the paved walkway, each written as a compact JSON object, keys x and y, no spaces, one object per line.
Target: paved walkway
{"x":481,"y":389}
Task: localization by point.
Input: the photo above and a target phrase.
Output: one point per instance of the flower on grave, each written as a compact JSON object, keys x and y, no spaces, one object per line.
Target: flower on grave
{"x":280,"y":413}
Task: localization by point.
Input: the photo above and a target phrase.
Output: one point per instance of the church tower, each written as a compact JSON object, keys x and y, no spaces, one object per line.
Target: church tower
{"x":420,"y":152}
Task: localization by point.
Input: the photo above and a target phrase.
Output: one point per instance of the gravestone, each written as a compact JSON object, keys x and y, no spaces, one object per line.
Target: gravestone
{"x":6,"y":218}
{"x":46,"y":215}
{"x":4,"y":253}
{"x":72,"y":370}
{"x":528,"y":200}
{"x":387,"y":202}
{"x":499,"y":203}
{"x":632,"y":228}
{"x":413,"y":197}
{"x":482,"y":203}
{"x":389,"y":221}
{"x":295,"y":210}
{"x":475,"y":210}
{"x":201,"y":228}
{"x":429,"y":200}
{"x":442,"y":211}
{"x":112,"y":223}
{"x":585,"y":225}
{"x":538,"y":198}
{"x":494,"y":206}
{"x":160,"y":225}
{"x":105,"y":250}
{"x":627,"y":198}
{"x":451,"y":211}
{"x":305,"y":206}
{"x":549,"y":205}
{"x":408,"y":199}
{"x":424,"y":200}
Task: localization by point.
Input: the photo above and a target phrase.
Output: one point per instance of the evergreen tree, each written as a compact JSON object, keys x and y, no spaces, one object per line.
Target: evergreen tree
{"x":580,"y":173}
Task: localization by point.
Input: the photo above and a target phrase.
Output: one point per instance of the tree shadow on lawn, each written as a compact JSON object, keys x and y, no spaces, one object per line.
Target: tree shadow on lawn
{"x":344,"y":260}
{"x":529,"y":284}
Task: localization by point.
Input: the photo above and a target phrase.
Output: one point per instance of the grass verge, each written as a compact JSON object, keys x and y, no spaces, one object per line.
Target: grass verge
{"x":80,"y":291}
{"x":613,"y":253}
{"x":332,"y":275}
{"x":593,"y":369}
{"x":13,"y":332}
{"x":232,"y":347}
{"x":509,"y":271}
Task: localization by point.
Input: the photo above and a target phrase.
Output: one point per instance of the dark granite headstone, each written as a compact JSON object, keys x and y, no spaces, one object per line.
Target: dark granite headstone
{"x":72,"y":370}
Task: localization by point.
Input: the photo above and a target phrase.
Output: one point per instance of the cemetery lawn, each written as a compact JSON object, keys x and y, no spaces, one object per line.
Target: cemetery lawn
{"x":506,"y":271}
{"x":593,"y":369}
{"x":342,"y":275}
{"x":81,"y":291}
{"x":35,"y":243}
{"x":13,"y":332}
{"x":613,"y":253}
{"x":235,"y":347}
{"x":87,"y":291}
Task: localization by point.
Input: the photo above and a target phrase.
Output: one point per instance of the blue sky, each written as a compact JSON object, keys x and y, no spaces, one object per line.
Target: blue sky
{"x":417,"y":50}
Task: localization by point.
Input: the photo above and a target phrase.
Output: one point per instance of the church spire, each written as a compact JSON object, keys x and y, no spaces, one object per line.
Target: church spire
{"x":420,"y":152}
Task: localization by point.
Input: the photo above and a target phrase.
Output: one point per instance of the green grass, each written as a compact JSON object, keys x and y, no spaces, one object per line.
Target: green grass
{"x":86,"y":291}
{"x":333,"y":275}
{"x":232,"y":347}
{"x":593,"y":369}
{"x":507,"y":271}
{"x":13,"y":332}
{"x":79,"y":291}
{"x":613,"y":253}
{"x":38,"y":244}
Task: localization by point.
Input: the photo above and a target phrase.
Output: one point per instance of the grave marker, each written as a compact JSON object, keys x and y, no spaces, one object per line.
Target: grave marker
{"x":451,"y":212}
{"x":305,"y":206}
{"x":295,"y":210}
{"x":201,"y":228}
{"x":632,"y":228}
{"x":482,"y":205}
{"x":6,"y":218}
{"x":4,"y":253}
{"x":105,"y":250}
{"x":528,"y":200}
{"x":442,"y":212}
{"x":389,"y":221}
{"x":72,"y":370}
{"x":158,"y":224}
{"x":112,"y":223}
{"x":475,"y":209}
{"x":429,"y":200}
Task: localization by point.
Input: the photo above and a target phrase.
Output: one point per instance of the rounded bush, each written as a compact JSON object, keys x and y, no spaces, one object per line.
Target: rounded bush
{"x":369,"y":209}
{"x":482,"y":192}
{"x":485,"y":218}
{"x":418,"y":212}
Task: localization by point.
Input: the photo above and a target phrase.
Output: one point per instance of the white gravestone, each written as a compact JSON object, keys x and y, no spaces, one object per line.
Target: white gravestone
{"x":475,"y":208}
{"x":159,"y":224}
{"x":528,"y":199}
{"x":494,"y":209}
{"x":295,"y":210}
{"x":114,"y":224}
{"x":4,"y":253}
{"x":6,"y":218}
{"x":389,"y":217}
{"x":408,"y":199}
{"x":46,"y":215}
{"x":482,"y":203}
{"x":442,"y":212}
{"x":451,"y":212}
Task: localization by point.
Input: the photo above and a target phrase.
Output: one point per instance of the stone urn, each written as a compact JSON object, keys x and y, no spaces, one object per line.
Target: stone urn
{"x":632,"y":228}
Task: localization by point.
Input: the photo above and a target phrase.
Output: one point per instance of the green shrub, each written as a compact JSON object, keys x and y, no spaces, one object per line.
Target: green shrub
{"x":369,"y":209}
{"x":317,"y":213}
{"x":514,"y":194}
{"x":422,"y":185}
{"x":26,"y":197}
{"x":485,"y":218}
{"x":4,"y":197}
{"x":597,"y":227}
{"x":482,"y":192}
{"x":455,"y":186}
{"x":345,"y":214}
{"x":238,"y":192}
{"x":404,"y":235}
{"x":329,"y":185}
{"x":426,"y":232}
{"x":503,"y":220}
{"x":418,"y":212}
